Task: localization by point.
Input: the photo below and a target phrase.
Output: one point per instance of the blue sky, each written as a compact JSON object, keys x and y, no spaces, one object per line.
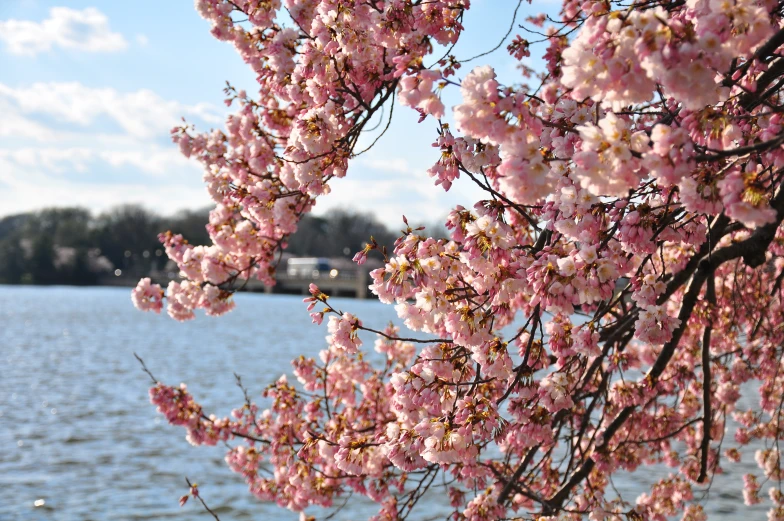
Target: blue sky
{"x":89,"y":91}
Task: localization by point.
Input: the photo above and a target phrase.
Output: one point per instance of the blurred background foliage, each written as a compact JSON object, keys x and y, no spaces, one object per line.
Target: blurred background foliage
{"x":72,"y":246}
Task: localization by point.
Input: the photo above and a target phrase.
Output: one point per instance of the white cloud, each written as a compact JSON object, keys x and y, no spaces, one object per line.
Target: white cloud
{"x":68,"y":144}
{"x":398,"y":164}
{"x":31,"y":188}
{"x":52,"y":159}
{"x":389,"y":199}
{"x":86,"y":30}
{"x":145,"y":157}
{"x":142,"y":40}
{"x":142,"y":114}
{"x":13,"y":124}
{"x":152,"y":160}
{"x":390,"y":181}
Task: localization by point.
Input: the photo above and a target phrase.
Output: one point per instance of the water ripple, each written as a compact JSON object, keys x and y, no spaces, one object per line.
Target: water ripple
{"x":77,"y":430}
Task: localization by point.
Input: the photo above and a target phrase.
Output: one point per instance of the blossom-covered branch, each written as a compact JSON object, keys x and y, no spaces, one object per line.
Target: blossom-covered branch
{"x":599,"y":310}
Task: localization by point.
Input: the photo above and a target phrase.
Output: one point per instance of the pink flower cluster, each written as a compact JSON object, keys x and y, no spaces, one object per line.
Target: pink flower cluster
{"x":343,"y":333}
{"x":597,"y":311}
{"x":147,"y":296}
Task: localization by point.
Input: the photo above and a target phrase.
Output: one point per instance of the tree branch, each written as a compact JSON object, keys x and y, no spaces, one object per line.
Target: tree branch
{"x":752,"y":250}
{"x":706,"y":382}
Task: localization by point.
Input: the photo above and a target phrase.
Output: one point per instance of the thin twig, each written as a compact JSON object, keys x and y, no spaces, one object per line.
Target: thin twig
{"x":198,"y":496}
{"x":144,"y":368}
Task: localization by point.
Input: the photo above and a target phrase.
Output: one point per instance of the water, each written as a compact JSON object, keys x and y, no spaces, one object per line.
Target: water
{"x":77,"y":430}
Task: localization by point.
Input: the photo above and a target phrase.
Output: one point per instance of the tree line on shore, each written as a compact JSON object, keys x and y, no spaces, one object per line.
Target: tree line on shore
{"x":74,"y":246}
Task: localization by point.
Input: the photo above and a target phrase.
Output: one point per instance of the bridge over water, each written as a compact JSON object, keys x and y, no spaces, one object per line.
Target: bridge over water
{"x":344,"y":284}
{"x":342,"y":279}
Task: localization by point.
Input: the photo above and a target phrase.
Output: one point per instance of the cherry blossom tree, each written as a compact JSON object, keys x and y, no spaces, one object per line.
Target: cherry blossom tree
{"x":629,"y":238}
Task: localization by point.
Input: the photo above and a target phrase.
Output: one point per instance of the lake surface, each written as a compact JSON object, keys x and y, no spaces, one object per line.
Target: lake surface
{"x":78,"y":432}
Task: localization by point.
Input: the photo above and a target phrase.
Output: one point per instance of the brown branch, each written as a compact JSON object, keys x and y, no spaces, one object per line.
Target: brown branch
{"x":523,"y":367}
{"x":748,"y":99}
{"x":144,"y":368}
{"x":689,"y":300}
{"x":706,"y":383}
{"x":752,"y":250}
{"x":741,"y":151}
{"x":401,"y":339}
{"x":198,"y":496}
{"x":765,"y":50}
{"x":529,"y":456}
{"x":717,"y":228}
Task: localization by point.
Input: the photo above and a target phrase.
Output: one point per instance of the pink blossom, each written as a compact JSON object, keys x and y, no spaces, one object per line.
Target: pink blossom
{"x":625,"y":230}
{"x":147,"y":296}
{"x":343,"y":333}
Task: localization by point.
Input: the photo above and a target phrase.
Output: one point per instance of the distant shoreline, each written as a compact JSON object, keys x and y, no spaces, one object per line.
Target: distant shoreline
{"x":127,"y":283}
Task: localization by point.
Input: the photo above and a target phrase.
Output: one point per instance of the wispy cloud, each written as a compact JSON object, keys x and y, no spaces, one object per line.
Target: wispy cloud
{"x":147,"y":158}
{"x":141,"y":113}
{"x":30,"y":188}
{"x":398,"y":164}
{"x":69,"y":144}
{"x":87,"y":30}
